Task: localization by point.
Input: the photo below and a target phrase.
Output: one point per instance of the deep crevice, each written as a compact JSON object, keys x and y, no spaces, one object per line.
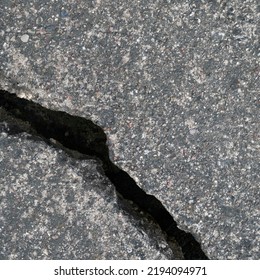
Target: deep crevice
{"x":82,"y":135}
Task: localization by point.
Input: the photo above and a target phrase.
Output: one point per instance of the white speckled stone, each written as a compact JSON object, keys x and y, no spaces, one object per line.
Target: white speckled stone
{"x":25,"y":38}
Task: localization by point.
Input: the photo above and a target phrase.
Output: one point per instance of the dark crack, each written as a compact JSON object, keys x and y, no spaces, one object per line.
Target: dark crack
{"x":82,"y":135}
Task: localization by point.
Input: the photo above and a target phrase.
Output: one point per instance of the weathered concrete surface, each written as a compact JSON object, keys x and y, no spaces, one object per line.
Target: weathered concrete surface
{"x":55,"y":207}
{"x":174,"y":84}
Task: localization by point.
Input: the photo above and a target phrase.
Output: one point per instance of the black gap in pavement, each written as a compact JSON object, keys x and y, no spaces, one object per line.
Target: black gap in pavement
{"x":82,"y":135}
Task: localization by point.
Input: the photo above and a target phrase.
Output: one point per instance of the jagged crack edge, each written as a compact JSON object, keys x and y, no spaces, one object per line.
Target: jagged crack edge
{"x":82,"y":135}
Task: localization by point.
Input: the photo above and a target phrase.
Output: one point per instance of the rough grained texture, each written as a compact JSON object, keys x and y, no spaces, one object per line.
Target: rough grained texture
{"x":53,"y":207}
{"x":174,"y":84}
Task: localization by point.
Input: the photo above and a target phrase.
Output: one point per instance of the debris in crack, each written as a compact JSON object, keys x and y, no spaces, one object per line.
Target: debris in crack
{"x":84,"y":136}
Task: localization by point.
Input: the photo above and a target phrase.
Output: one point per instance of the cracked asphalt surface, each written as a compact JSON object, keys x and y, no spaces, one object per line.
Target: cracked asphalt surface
{"x":175,"y":86}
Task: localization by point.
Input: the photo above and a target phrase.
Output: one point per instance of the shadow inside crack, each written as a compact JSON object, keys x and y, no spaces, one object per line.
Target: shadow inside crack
{"x":82,"y":135}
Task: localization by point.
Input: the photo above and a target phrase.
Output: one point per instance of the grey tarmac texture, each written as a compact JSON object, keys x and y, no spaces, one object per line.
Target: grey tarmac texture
{"x":175,"y":86}
{"x":55,"y":207}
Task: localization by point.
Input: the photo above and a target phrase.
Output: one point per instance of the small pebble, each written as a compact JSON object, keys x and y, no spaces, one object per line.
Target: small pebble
{"x":25,"y":38}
